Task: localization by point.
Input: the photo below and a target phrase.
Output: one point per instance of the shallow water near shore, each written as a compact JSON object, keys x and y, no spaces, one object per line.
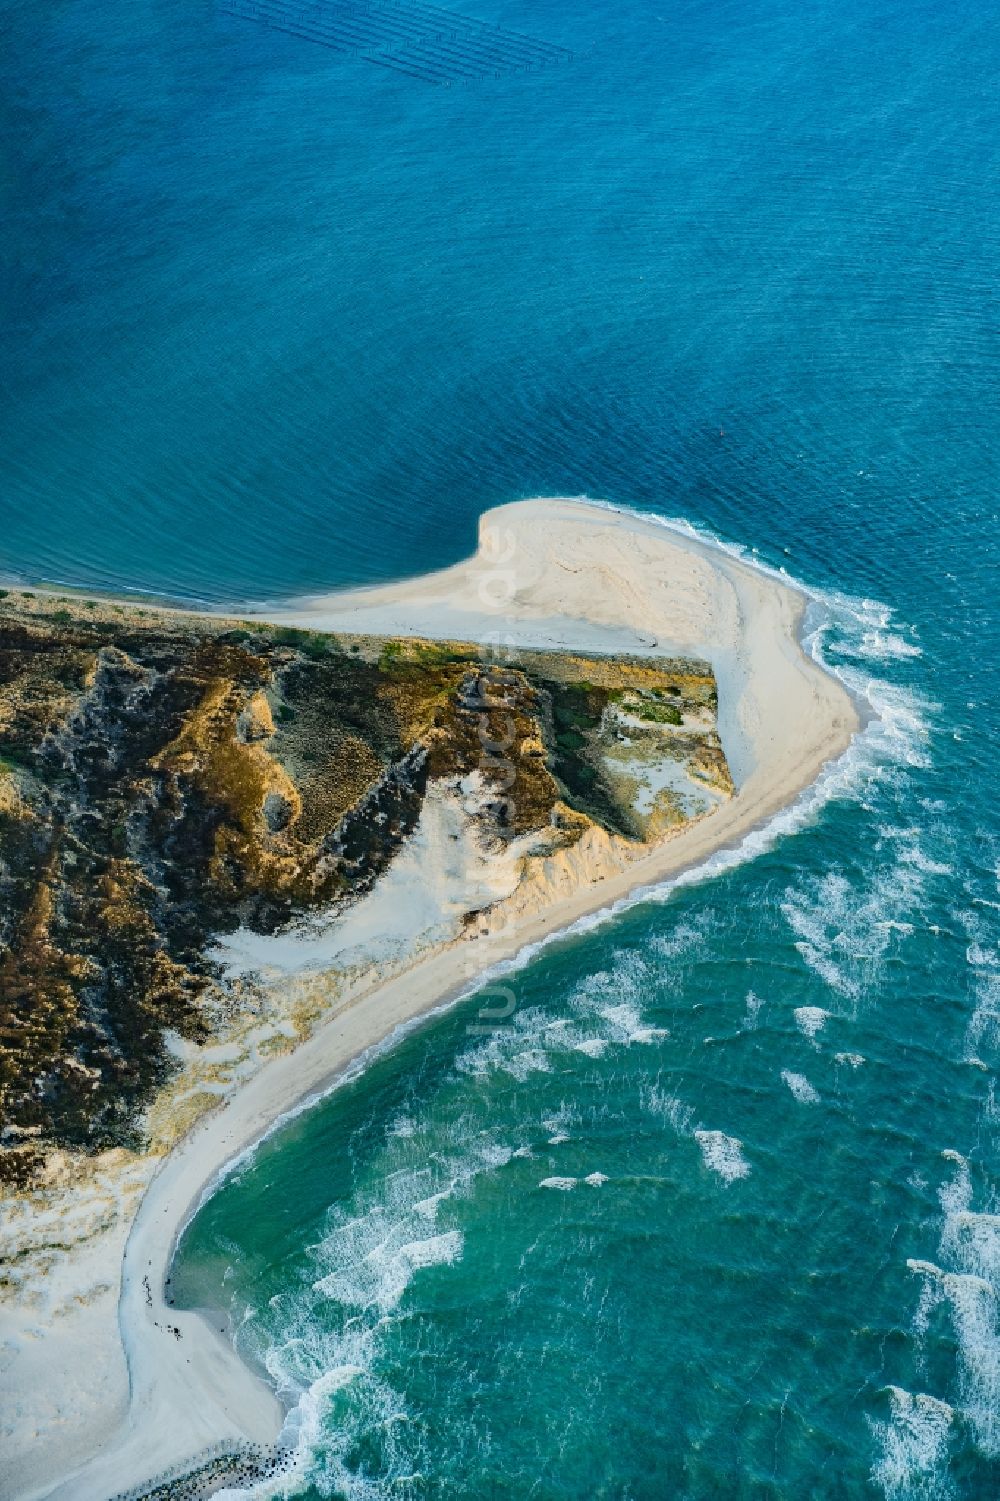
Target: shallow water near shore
{"x":716,"y":1212}
{"x":718,"y":1200}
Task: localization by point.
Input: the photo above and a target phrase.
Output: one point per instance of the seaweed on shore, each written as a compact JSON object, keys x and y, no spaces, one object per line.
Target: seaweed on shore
{"x":224,"y":1465}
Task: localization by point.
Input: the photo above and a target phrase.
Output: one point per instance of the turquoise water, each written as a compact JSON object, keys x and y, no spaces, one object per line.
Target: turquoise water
{"x":714,"y":1214}
{"x":278,"y":320}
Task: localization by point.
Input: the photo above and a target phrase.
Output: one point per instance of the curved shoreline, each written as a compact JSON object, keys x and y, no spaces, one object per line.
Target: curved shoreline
{"x":578,"y":576}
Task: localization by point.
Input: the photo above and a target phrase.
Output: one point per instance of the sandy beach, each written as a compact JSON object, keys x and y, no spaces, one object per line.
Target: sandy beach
{"x":548,"y":574}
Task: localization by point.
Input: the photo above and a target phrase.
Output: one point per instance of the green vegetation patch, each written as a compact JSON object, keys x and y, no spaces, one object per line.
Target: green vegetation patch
{"x":593,"y":701}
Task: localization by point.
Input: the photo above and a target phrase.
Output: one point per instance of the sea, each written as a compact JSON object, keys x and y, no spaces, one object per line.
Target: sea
{"x":710,"y":1210}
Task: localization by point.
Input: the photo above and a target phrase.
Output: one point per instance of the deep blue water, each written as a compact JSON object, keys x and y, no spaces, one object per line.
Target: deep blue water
{"x":278,"y":320}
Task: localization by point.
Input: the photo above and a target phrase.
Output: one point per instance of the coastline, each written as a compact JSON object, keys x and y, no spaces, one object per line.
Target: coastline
{"x":548,"y":574}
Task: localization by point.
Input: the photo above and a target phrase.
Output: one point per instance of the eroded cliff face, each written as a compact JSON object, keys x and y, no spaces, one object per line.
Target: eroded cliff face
{"x":167,"y":778}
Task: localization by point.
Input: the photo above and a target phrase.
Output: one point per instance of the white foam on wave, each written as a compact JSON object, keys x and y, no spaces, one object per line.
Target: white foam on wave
{"x":563,"y":1184}
{"x":752,"y":1015}
{"x":558,"y":1124}
{"x":912,"y":1465}
{"x":844,"y":931}
{"x":387,"y":1270}
{"x":983,"y":1032}
{"x":374,"y":1244}
{"x":302,"y":1433}
{"x":810,"y":1020}
{"x":379,"y":1263}
{"x":972,"y":1302}
{"x":648,"y":1035}
{"x":607,"y":1012}
{"x":372,"y":1249}
{"x":886,"y":646}
{"x":685,"y":939}
{"x":339,"y":1409}
{"x":723,"y":1154}
{"x":974,"y":1239}
{"x":800,"y":1087}
{"x":974,"y":1311}
{"x":877,"y":637}
{"x":428,"y":1208}
{"x":669,"y":1108}
{"x":968,"y":1281}
{"x":626,"y":1024}
{"x":528,"y":1061}
{"x":925,"y":863}
{"x":331,"y":1377}
{"x":970,"y":1242}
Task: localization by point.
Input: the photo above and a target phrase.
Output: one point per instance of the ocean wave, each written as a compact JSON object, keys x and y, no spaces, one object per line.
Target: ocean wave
{"x":592,"y":1047}
{"x":810,"y":1020}
{"x":885,"y":646}
{"x":687,"y":938}
{"x":372,"y":1248}
{"x":972,"y":1301}
{"x":800,"y":1087}
{"x":381,"y":1274}
{"x":753,"y":1009}
{"x":557,"y":1125}
{"x":845,"y":928}
{"x":669,"y":1108}
{"x":983,"y":1031}
{"x":967,"y":1282}
{"x":723,"y":1154}
{"x":912,"y":1465}
{"x":627,"y":1026}
{"x":606,"y":1012}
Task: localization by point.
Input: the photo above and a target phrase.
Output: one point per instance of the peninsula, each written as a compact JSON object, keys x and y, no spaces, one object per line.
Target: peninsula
{"x":236,"y":854}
